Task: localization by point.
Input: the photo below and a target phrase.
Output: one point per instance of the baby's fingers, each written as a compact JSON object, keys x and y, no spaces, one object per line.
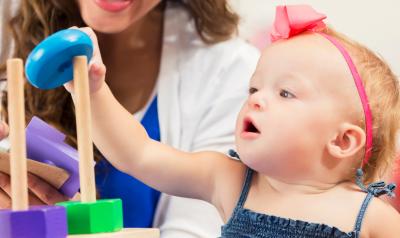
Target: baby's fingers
{"x":97,"y":74}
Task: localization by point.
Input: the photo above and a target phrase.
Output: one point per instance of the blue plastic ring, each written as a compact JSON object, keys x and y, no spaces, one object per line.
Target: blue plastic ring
{"x":50,"y":65}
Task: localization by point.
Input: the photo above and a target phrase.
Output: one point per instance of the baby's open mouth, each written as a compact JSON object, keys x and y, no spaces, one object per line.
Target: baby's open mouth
{"x":250,"y":127}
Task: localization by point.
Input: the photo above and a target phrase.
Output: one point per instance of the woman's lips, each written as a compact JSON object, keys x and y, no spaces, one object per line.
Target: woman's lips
{"x":113,"y":5}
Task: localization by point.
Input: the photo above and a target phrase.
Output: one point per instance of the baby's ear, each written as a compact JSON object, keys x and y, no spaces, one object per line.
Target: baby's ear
{"x":347,"y":142}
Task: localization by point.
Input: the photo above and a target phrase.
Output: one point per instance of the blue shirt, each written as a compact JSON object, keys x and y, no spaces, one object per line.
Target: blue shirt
{"x":139,"y":201}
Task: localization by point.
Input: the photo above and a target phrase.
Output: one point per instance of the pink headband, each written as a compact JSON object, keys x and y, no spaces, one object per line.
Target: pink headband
{"x":296,"y":19}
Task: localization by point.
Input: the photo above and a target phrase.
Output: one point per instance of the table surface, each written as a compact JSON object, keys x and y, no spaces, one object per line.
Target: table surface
{"x":125,"y":233}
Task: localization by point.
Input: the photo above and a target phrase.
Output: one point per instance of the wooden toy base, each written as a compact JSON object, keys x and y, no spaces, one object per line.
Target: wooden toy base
{"x":125,"y":233}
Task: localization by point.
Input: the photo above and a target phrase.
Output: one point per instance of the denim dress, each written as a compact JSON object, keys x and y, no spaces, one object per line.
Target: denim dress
{"x":245,"y":223}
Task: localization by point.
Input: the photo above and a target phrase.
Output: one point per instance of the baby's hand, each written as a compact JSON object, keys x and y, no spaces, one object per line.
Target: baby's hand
{"x":97,"y":70}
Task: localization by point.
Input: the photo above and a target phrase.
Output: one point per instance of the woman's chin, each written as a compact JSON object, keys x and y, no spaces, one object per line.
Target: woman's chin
{"x":109,"y":27}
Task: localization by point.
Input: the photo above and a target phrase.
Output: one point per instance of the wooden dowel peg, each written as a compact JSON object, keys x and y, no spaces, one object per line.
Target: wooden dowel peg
{"x":16,"y":111}
{"x":84,"y":129}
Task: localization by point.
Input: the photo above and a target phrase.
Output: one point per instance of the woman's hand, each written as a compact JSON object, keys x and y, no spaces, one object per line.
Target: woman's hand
{"x":40,"y":192}
{"x":97,"y":70}
{"x":3,"y":130}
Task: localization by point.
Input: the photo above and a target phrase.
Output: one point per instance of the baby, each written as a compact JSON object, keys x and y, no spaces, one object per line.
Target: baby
{"x":319,"y":123}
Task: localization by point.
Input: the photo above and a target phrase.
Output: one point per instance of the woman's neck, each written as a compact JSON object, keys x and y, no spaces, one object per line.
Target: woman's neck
{"x":132,"y":58}
{"x":142,"y":36}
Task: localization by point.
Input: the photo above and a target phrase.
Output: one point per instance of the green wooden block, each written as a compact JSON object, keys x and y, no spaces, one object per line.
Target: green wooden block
{"x":97,"y":217}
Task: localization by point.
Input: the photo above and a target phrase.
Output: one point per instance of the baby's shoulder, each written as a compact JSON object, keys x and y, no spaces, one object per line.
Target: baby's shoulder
{"x":381,"y":219}
{"x":229,"y":186}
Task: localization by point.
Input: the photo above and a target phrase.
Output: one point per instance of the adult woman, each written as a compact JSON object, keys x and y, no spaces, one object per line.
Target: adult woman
{"x":159,"y":55}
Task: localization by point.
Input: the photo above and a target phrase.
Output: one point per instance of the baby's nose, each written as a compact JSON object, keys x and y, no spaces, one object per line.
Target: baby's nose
{"x":256,"y":102}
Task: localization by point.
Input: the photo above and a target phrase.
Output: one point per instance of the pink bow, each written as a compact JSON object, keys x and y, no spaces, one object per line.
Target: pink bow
{"x":295,"y":19}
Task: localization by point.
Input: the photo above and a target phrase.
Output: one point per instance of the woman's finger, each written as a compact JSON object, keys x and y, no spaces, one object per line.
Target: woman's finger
{"x":44,"y":191}
{"x":5,"y":183}
{"x":3,"y":130}
{"x":5,"y":193}
{"x":5,"y":200}
{"x":34,"y":200}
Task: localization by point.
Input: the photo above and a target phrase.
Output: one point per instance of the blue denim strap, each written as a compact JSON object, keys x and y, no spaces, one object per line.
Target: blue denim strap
{"x":233,"y":154}
{"x":361,"y":213}
{"x":375,"y":189}
{"x":247,"y":182}
{"x":246,"y":188}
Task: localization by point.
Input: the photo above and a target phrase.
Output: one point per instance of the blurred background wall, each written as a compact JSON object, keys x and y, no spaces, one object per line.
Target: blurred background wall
{"x":373,"y":23}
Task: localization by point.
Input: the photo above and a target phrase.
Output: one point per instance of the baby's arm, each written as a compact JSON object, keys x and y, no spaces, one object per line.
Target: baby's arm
{"x":125,"y":143}
{"x":383,"y":221}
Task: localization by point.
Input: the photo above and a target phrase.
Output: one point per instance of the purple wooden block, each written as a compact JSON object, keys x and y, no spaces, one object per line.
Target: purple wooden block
{"x":37,"y":222}
{"x":46,"y":144}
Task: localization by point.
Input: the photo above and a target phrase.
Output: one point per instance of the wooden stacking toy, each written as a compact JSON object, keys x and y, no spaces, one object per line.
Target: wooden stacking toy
{"x":49,"y":157}
{"x":58,"y":59}
{"x":47,"y":145}
{"x":23,"y":221}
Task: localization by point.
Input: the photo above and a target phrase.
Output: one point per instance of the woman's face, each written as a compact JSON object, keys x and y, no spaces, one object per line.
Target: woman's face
{"x":113,"y":16}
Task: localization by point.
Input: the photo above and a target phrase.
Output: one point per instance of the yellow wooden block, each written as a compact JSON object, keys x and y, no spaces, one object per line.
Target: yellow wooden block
{"x":125,"y":233}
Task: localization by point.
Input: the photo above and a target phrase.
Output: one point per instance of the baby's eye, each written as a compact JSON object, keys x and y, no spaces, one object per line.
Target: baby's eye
{"x":286,"y":94}
{"x":252,"y":90}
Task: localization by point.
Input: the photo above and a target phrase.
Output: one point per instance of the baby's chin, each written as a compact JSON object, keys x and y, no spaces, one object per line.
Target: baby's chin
{"x":269,"y":165}
{"x":257,"y":163}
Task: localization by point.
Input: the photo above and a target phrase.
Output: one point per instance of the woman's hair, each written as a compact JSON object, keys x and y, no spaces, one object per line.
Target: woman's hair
{"x":37,"y":19}
{"x":382,"y":89}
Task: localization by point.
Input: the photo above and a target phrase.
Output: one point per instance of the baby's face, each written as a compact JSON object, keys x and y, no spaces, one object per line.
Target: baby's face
{"x":301,"y":92}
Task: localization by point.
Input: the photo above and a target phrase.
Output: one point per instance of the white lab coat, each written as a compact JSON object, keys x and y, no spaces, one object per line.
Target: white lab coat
{"x":200,"y":91}
{"x":7,"y":9}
